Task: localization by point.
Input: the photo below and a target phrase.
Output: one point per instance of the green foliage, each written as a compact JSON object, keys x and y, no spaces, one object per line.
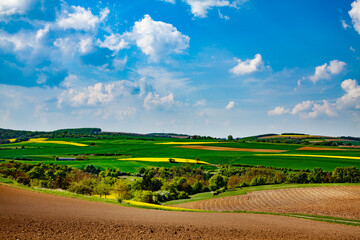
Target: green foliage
{"x":102,"y":189}
{"x":145,"y":196}
{"x":217,"y":181}
{"x":122,"y":189}
{"x":85,"y":186}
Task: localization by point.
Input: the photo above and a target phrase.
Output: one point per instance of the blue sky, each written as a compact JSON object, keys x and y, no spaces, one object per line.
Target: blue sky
{"x":207,"y":67}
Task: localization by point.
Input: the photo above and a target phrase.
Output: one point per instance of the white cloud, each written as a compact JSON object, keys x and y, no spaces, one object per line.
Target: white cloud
{"x":355,"y":14}
{"x":248,"y":66}
{"x":20,"y":41}
{"x":352,"y":49}
{"x":153,"y":100}
{"x":199,"y":8}
{"x":344,"y":24}
{"x":223,"y":16}
{"x":11,"y":7}
{"x":200,"y":103}
{"x":79,"y":18}
{"x":119,"y":64}
{"x":351,"y":99}
{"x":310,"y":109}
{"x":325,"y":108}
{"x":169,"y":1}
{"x":157,"y":39}
{"x":325,"y":71}
{"x":278,"y":111}
{"x":304,"y":106}
{"x":99,"y":93}
{"x":230,"y":105}
{"x":42,"y":32}
{"x":163,"y":80}
{"x":66,"y":45}
{"x":85,"y":45}
{"x":114,"y":42}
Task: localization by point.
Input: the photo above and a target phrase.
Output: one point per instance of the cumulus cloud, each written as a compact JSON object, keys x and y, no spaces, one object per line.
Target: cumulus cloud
{"x":200,"y":103}
{"x":11,"y":7}
{"x":154,"y":38}
{"x":230,"y":105}
{"x":325,"y":71}
{"x":79,"y":18}
{"x":85,"y":45}
{"x":351,"y":99}
{"x":355,"y":15}
{"x":325,"y":108}
{"x":304,"y":106}
{"x":199,"y":8}
{"x":248,"y":66}
{"x":310,"y":109}
{"x":153,"y":100}
{"x":114,"y":42}
{"x":40,"y":34}
{"x":99,"y":93}
{"x":278,"y":111}
{"x":157,"y":39}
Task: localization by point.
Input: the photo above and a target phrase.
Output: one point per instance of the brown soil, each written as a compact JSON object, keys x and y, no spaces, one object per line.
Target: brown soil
{"x":32,"y":215}
{"x":320,"y":149}
{"x":338,"y":139}
{"x":231,"y":149}
{"x":338,"y":201}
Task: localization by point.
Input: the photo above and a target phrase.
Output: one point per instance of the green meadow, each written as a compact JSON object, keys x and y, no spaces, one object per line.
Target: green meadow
{"x":148,"y":147}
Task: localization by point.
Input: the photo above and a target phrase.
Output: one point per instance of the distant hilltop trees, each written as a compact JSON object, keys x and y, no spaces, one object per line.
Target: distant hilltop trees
{"x":61,"y":133}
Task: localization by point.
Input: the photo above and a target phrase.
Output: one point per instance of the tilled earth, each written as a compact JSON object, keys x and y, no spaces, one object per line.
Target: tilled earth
{"x":337,"y":201}
{"x":32,"y":215}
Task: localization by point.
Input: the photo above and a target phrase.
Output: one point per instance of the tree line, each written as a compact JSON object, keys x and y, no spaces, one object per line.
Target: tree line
{"x":156,"y":185}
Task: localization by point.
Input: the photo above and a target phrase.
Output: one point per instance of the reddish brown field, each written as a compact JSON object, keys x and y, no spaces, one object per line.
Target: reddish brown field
{"x":341,"y":202}
{"x":231,"y":149}
{"x":32,"y":215}
{"x":320,"y":149}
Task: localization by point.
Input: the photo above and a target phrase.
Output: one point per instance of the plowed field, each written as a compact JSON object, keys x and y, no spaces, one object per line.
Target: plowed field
{"x":232,"y":149}
{"x":341,"y":201}
{"x":320,"y":149}
{"x":31,"y":215}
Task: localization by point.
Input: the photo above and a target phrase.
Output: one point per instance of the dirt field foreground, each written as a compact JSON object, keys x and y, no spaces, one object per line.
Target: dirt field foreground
{"x":31,"y":215}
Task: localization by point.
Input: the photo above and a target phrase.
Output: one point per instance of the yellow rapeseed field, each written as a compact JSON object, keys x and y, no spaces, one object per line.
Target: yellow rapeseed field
{"x":186,"y":143}
{"x":150,"y":205}
{"x":44,"y":140}
{"x":12,"y":140}
{"x":305,"y":155}
{"x":154,"y":159}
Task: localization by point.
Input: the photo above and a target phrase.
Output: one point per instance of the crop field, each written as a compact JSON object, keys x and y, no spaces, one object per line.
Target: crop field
{"x":128,"y":154}
{"x":335,"y":201}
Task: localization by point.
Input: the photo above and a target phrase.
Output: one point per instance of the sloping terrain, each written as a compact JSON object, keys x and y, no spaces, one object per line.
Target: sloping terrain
{"x":338,"y":201}
{"x":32,"y":215}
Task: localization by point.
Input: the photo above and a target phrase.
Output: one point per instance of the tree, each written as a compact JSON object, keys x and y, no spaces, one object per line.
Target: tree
{"x":122,"y":189}
{"x":233,"y":181}
{"x":230,"y":138}
{"x":217,"y":181}
{"x":102,"y":189}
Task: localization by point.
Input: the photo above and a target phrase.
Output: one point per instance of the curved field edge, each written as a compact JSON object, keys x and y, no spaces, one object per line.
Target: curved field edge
{"x":125,"y":203}
{"x":13,"y":184}
{"x":319,"y":218}
{"x":246,"y":190}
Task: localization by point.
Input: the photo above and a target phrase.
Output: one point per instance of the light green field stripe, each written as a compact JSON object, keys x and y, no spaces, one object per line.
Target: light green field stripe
{"x":303,"y":155}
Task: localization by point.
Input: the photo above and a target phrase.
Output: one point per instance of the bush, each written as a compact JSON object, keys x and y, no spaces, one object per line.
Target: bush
{"x":145,"y":196}
{"x":217,"y":181}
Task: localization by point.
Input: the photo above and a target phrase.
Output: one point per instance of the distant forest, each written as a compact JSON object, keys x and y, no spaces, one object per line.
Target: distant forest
{"x":61,"y":133}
